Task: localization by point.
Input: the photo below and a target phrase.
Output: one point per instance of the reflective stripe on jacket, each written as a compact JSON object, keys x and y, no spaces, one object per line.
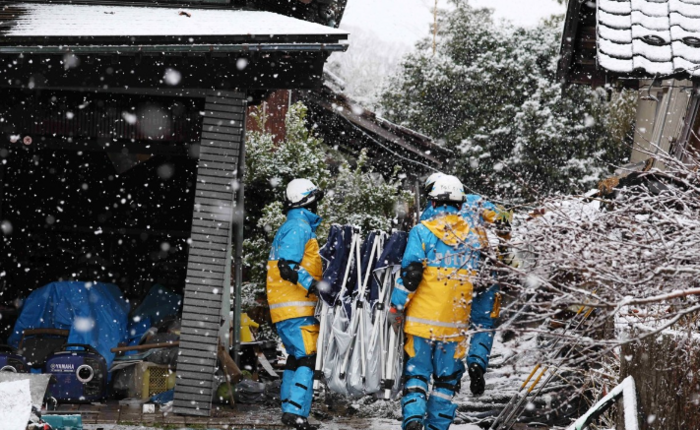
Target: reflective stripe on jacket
{"x":296,"y":242}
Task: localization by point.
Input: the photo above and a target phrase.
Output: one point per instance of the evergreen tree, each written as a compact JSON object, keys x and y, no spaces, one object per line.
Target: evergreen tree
{"x":355,"y":195}
{"x":492,"y":96}
{"x":361,"y":197}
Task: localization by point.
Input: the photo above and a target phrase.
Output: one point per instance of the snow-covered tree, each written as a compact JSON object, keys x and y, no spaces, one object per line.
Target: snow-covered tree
{"x":355,"y":195}
{"x":269,"y":167}
{"x":363,"y":198}
{"x":492,"y":95}
{"x":366,"y":66}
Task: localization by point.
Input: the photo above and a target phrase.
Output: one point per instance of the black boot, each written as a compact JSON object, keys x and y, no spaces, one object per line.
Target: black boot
{"x":297,"y":421}
{"x":414,"y":425}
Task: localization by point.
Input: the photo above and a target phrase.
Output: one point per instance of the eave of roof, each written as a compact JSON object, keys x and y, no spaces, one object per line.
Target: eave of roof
{"x":630,"y":40}
{"x":60,"y":28}
{"x":566,"y":51}
{"x":412,"y":143}
{"x":174,"y":48}
{"x":577,"y":62}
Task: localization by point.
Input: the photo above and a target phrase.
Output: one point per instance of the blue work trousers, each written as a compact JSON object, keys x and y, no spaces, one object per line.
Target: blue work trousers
{"x":299,"y":336}
{"x":436,"y":364}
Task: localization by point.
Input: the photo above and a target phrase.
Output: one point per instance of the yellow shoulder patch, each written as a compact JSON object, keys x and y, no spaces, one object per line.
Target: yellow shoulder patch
{"x":452,"y":229}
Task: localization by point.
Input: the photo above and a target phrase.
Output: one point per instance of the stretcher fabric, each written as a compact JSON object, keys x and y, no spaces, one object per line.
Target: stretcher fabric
{"x":335,"y":253}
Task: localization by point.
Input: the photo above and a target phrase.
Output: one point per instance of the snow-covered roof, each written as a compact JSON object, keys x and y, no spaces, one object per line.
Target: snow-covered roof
{"x":80,"y":20}
{"x":659,"y":37}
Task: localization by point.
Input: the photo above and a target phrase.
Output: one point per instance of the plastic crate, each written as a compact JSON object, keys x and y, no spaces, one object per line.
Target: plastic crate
{"x":147,"y":379}
{"x":157,"y":379}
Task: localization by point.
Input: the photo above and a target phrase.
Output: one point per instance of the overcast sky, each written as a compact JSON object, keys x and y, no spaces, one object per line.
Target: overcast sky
{"x":406,"y":21}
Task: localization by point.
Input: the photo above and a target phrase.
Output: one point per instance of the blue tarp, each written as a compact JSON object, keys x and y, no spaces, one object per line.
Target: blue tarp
{"x":158,"y":304}
{"x":95,"y":314}
{"x":164,"y":397}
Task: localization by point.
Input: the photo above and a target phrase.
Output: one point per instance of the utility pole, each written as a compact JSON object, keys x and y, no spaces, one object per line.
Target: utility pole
{"x":435,"y":26}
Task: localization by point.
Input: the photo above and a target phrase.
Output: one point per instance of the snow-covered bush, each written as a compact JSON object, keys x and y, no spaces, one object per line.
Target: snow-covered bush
{"x":269,"y":167}
{"x":638,"y":245}
{"x":628,"y":252}
{"x":361,"y":197}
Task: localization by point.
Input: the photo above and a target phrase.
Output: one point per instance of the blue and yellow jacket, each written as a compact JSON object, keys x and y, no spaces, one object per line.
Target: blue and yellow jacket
{"x":295,"y":241}
{"x":444,"y":306}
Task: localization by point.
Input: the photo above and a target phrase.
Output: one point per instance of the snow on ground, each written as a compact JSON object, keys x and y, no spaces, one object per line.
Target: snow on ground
{"x":366,"y":424}
{"x":15,"y":405}
{"x":509,"y":365}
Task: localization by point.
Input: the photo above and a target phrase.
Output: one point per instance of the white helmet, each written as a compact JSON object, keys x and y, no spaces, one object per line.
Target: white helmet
{"x":428,"y":185}
{"x":447,"y":188}
{"x":301,"y":193}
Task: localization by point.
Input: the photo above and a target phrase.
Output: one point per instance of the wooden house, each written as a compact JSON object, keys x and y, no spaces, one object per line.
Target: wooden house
{"x":121,"y":148}
{"x":651,"y":46}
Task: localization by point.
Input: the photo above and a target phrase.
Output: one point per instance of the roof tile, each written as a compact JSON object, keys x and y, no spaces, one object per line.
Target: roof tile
{"x":659,"y":37}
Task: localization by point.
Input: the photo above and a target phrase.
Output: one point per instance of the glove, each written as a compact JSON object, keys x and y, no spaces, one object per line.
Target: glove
{"x":286,"y":271}
{"x":395,"y":317}
{"x":313,"y":288}
{"x":476,"y":377}
{"x":412,"y":275}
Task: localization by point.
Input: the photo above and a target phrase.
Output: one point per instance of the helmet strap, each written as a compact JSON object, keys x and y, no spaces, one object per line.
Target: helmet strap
{"x":313,"y":207}
{"x":436,"y":203}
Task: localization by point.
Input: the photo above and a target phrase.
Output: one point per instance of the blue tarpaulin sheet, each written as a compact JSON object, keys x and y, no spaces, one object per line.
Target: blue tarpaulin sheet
{"x":94,"y":313}
{"x":64,"y":422}
{"x":158,"y":304}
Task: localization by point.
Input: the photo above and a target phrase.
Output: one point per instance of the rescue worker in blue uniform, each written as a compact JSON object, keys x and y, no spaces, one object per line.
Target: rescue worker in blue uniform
{"x":437,"y":304}
{"x":475,"y":209}
{"x":294,"y":268}
{"x":478,"y":213}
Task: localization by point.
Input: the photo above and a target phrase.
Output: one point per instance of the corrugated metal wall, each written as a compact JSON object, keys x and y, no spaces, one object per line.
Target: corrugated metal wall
{"x":207,"y":293}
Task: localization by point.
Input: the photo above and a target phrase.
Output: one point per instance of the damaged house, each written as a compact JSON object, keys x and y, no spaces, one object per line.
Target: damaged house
{"x":121,"y":149}
{"x":652,"y":46}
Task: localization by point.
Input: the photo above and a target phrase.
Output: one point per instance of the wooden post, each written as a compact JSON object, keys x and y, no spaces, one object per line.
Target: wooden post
{"x":434,"y":26}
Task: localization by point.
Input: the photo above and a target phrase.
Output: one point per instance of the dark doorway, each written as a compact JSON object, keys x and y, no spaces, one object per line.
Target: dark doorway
{"x":96,"y":187}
